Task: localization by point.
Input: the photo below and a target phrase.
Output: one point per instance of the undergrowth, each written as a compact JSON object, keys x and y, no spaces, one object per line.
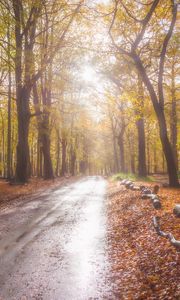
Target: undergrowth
{"x":131,"y":176}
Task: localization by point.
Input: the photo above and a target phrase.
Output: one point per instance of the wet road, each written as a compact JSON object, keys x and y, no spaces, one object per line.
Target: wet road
{"x":53,"y":246}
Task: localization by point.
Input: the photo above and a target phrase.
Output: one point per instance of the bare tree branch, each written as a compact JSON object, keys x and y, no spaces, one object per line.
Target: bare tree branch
{"x":129,"y":13}
{"x":57,"y":47}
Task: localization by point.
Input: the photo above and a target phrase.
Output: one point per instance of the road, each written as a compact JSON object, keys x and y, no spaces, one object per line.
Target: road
{"x":54,"y":246}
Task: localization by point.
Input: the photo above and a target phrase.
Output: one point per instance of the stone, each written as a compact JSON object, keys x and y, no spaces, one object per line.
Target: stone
{"x":176,"y":210}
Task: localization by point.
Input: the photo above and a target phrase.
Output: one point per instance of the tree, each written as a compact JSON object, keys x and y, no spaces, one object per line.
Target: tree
{"x":141,"y":131}
{"x":134,"y":52}
{"x":26,"y":19}
{"x":171,"y":90}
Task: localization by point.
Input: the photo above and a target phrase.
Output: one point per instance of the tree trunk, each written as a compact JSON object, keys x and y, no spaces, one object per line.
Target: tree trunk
{"x":23,"y":72}
{"x":168,"y":152}
{"x":131,"y":143}
{"x":22,"y":101}
{"x":113,"y":129}
{"x":141,"y":132}
{"x":173,"y":125}
{"x":23,"y":160}
{"x":63,"y":166}
{"x":163,"y":164}
{"x":121,"y":152}
{"x":141,"y":148}
{"x":155,"y":160}
{"x":45,"y":140}
{"x":2,"y":160}
{"x":43,"y":129}
{"x":39,"y":170}
{"x":73,"y":162}
{"x":116,"y":162}
{"x":148,"y":153}
{"x":133,"y":164}
{"x":58,"y":153}
{"x":9,"y":108}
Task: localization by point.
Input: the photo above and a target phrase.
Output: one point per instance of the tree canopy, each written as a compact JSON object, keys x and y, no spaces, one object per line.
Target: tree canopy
{"x":89,"y":87}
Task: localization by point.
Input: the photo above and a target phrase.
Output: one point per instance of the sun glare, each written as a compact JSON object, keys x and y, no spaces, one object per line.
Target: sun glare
{"x":88,"y":74}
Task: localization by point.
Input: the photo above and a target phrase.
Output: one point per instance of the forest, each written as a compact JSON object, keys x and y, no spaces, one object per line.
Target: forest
{"x":89,"y":149}
{"x":89,"y":87}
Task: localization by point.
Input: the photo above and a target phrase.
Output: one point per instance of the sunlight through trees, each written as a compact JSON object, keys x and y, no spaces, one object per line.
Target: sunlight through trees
{"x":89,"y":87}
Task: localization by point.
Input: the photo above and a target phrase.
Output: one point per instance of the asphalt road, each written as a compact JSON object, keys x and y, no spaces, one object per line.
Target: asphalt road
{"x":54,"y":246}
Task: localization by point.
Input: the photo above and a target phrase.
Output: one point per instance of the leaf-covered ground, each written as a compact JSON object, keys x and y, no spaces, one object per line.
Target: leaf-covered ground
{"x":143,"y":264}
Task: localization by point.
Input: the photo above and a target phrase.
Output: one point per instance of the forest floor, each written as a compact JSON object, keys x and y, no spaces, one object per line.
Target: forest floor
{"x":143,"y":264}
{"x":12,"y":194}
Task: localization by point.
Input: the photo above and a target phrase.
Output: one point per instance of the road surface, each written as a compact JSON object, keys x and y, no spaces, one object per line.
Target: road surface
{"x":54,"y":246}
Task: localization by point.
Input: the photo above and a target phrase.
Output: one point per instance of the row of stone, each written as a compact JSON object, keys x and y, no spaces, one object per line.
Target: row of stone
{"x":146,"y":193}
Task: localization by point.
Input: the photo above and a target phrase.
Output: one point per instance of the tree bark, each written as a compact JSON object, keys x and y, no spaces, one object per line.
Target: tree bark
{"x":148,"y":158}
{"x":113,"y":129}
{"x":141,"y":147}
{"x":173,"y":124}
{"x":39,"y":170}
{"x":141,"y":131}
{"x":121,"y":150}
{"x":168,"y":152}
{"x":46,"y":86}
{"x":9,"y":108}
{"x":58,"y":154}
{"x":23,"y":160}
{"x":155,"y":160}
{"x":43,"y":129}
{"x":116,"y":161}
{"x":131,"y":143}
{"x":63,"y":165}
{"x":45,"y":139}
{"x":73,"y":162}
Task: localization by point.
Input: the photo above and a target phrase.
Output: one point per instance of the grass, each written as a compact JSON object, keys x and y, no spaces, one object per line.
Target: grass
{"x":130,"y":176}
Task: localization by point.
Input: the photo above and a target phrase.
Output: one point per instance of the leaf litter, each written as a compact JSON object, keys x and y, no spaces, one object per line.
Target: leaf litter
{"x":143,"y":264}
